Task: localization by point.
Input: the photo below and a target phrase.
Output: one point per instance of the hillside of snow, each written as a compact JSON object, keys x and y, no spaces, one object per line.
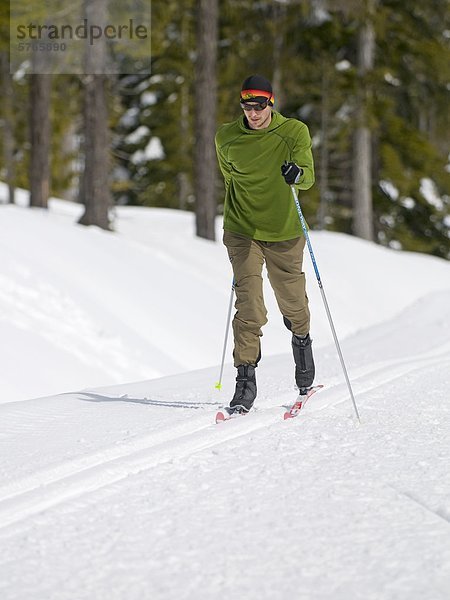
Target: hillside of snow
{"x":83,"y":307}
{"x":129,"y":491}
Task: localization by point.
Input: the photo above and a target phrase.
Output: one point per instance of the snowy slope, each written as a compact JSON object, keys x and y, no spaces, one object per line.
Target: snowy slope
{"x":81,"y":307}
{"x":131,"y":492}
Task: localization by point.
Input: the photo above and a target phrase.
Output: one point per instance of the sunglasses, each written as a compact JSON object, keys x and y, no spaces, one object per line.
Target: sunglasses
{"x":258,"y":107}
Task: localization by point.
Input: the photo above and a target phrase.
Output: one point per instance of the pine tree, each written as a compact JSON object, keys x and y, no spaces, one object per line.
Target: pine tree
{"x":362,"y":144}
{"x":153,"y":130}
{"x":94,"y":189}
{"x":413,"y":111}
{"x":7,"y":125}
{"x":205,"y":118}
{"x":7,"y":120}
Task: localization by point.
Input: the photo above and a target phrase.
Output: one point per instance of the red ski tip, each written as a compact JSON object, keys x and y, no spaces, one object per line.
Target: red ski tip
{"x":220,"y":417}
{"x":301,"y":401}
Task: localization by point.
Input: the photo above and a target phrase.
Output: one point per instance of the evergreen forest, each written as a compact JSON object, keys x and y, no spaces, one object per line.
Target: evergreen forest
{"x":370,"y":78}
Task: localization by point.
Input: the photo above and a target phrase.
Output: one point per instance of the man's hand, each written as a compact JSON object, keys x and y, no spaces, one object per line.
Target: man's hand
{"x":291,"y":172}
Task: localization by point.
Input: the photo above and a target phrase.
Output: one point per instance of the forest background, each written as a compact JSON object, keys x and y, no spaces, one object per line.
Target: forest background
{"x":370,"y":78}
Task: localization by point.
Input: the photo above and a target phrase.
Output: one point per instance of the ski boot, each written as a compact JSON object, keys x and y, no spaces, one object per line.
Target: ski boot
{"x":245,"y":393}
{"x":304,"y":362}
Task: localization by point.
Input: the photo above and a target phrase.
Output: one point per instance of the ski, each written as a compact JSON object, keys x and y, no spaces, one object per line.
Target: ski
{"x":225,"y":415}
{"x":301,"y":401}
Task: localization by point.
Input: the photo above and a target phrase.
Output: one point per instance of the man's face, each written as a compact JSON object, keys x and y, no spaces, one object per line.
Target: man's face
{"x":257,"y":119}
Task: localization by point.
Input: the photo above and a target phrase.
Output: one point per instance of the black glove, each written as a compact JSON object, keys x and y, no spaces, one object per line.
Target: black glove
{"x":291,"y":172}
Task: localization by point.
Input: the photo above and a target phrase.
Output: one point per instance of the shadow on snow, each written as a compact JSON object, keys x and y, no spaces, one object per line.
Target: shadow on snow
{"x":90,"y":397}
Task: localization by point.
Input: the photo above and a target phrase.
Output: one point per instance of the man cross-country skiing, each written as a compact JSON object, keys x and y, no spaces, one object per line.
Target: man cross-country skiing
{"x":258,"y":155}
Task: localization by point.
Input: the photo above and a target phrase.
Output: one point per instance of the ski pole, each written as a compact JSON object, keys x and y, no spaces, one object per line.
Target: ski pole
{"x":324,"y":298}
{"x":219,"y":383}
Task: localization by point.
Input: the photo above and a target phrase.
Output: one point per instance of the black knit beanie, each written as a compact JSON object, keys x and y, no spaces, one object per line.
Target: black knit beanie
{"x":257,"y":89}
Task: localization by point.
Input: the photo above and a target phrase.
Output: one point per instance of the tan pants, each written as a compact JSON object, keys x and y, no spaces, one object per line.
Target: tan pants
{"x":284,"y":267}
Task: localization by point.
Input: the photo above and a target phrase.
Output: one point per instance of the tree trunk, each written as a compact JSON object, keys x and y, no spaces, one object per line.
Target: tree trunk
{"x":40,"y":87}
{"x":95,"y":193}
{"x":362,"y":147}
{"x":205,"y":118}
{"x":362,"y":184}
{"x":184,"y":185}
{"x":8,"y":126}
{"x":94,"y":188}
{"x":324,"y":150}
{"x":279,"y":29}
{"x":184,"y":190}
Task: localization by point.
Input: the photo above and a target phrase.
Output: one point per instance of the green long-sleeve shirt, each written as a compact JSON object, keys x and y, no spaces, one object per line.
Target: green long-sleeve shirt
{"x":258,"y":202}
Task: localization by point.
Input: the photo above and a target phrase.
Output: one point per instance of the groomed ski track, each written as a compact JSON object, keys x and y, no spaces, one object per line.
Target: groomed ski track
{"x":52,"y":485}
{"x":140,"y":482}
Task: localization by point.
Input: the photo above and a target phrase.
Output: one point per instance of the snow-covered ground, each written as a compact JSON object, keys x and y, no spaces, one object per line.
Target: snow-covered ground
{"x":129,"y":491}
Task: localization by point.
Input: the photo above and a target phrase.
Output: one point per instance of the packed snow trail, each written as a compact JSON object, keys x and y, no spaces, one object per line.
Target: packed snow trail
{"x":133,"y":492}
{"x":365,"y":508}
